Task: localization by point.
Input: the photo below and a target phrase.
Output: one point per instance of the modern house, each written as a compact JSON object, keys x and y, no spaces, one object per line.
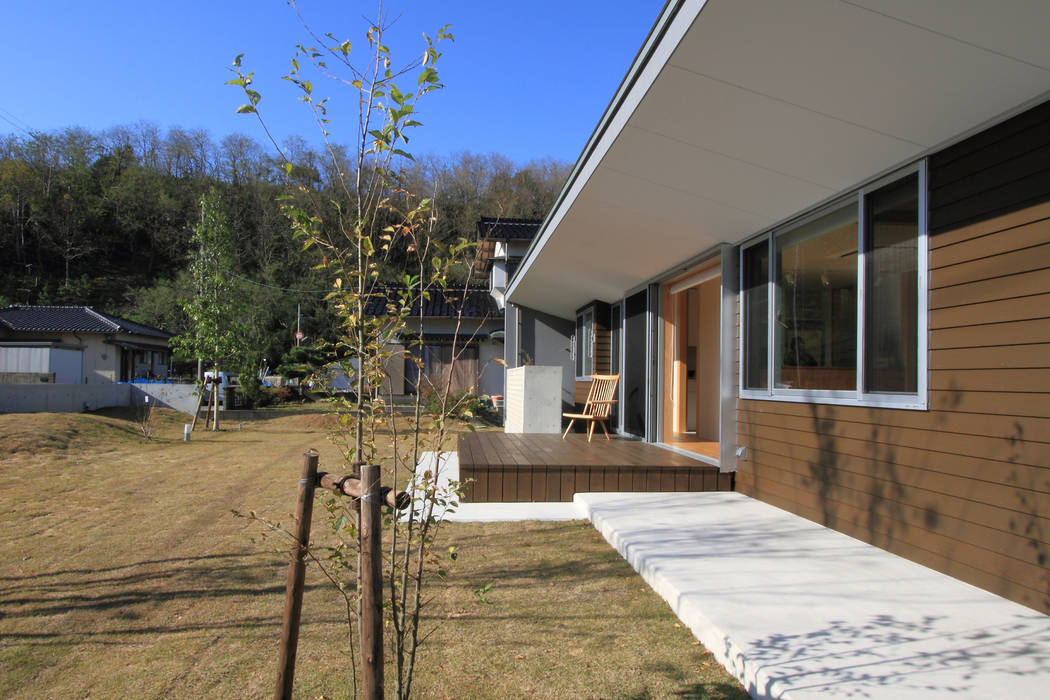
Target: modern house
{"x":446,"y":332}
{"x":814,"y":240}
{"x":78,"y":345}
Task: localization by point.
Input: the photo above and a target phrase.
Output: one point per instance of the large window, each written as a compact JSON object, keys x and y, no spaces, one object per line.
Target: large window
{"x":831,"y":305}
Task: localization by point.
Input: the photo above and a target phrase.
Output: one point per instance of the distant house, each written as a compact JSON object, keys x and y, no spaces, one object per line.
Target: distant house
{"x":502,"y":244}
{"x":78,"y":345}
{"x":473,"y":342}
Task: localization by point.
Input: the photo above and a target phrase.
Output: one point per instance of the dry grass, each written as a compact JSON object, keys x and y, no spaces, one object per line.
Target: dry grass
{"x":124,"y":573}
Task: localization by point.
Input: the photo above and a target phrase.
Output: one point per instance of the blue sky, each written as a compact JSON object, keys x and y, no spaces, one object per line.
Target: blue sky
{"x":527,"y":79}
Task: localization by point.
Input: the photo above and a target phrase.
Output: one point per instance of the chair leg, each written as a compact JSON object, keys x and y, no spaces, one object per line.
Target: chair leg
{"x":571,"y":421}
{"x":590,"y":430}
{"x":604,"y":430}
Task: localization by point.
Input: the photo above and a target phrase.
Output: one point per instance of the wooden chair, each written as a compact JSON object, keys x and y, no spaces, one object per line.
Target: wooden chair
{"x":598,"y":405}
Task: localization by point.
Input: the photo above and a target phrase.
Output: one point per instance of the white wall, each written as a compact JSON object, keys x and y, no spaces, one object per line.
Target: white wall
{"x":491,"y":380}
{"x":29,"y":360}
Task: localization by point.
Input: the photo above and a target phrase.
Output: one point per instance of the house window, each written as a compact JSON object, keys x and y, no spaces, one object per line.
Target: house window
{"x":831,"y":305}
{"x":585,"y":343}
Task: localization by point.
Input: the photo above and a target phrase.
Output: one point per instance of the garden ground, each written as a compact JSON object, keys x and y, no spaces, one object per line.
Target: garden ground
{"x":123,"y":571}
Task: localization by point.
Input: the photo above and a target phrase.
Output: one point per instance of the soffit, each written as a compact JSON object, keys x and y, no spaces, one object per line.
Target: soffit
{"x":766,"y":108}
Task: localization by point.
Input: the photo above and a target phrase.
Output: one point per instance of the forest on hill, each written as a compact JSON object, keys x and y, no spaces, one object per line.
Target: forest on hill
{"x":105,"y":219}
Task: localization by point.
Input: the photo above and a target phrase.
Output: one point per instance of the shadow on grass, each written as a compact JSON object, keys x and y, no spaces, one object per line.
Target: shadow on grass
{"x":143,"y":591}
{"x":700,"y":691}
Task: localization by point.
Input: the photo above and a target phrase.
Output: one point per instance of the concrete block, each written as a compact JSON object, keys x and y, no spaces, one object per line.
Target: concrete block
{"x":533,"y":399}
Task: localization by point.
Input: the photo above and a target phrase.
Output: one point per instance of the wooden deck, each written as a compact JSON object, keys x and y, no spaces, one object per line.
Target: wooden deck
{"x":506,"y":467}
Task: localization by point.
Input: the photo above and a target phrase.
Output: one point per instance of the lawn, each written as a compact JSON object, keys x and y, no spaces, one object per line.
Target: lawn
{"x":123,"y":572}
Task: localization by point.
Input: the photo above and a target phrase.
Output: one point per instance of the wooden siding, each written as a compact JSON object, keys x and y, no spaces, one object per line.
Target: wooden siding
{"x":1000,"y":170}
{"x":507,"y":467}
{"x":965,"y":486}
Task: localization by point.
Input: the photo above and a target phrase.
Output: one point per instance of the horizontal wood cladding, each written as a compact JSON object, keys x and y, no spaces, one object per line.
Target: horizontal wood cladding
{"x":1035,"y":355}
{"x":976,"y":471}
{"x":1025,"y":284}
{"x":506,"y":467}
{"x":580,"y":394}
{"x":949,"y":562}
{"x":1001,"y":403}
{"x":1000,"y":170}
{"x":1025,"y":308}
{"x":991,"y":334}
{"x":993,"y":266}
{"x":880,"y":425}
{"x":922,"y":524}
{"x":963,"y":487}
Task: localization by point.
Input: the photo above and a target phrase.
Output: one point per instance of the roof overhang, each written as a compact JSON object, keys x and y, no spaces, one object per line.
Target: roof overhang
{"x":145,"y":347}
{"x":739,"y":114}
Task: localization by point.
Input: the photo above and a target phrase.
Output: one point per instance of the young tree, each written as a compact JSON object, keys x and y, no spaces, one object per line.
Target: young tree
{"x":367,"y":218}
{"x":214,"y":311}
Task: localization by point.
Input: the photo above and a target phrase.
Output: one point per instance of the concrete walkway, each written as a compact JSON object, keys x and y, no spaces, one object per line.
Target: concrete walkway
{"x":798,"y":611}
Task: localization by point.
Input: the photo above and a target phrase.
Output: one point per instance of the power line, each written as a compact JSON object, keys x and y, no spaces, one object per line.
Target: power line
{"x":14,"y":121}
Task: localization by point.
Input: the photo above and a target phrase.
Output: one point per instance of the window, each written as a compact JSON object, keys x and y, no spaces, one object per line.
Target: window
{"x":831,"y":305}
{"x":585,"y":343}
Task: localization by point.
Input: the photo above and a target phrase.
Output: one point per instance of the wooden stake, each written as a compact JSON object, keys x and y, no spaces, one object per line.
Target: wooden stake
{"x":293,"y":593}
{"x":215,"y":392}
{"x":370,"y":566}
{"x":200,"y":400}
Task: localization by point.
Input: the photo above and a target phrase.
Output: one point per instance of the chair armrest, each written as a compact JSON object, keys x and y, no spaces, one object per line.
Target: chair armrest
{"x":603,"y":402}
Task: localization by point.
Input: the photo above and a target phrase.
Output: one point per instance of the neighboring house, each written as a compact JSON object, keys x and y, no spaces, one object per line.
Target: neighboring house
{"x":502,"y":243}
{"x":472,"y":343}
{"x":78,"y":345}
{"x":814,"y":239}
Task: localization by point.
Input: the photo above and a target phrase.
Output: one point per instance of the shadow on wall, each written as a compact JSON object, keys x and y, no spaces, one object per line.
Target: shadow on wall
{"x":867,"y":488}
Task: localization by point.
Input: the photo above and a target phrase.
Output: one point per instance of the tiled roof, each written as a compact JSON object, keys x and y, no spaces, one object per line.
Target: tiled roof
{"x":507,"y":229}
{"x":476,"y":303}
{"x":74,"y":319}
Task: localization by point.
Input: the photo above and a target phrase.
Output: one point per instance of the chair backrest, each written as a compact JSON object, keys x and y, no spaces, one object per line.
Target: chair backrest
{"x":603,"y":389}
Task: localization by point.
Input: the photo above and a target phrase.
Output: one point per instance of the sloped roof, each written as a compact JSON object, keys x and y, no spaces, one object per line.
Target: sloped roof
{"x":476,"y":303}
{"x":495,"y":228}
{"x":739,"y":115}
{"x":73,"y":319}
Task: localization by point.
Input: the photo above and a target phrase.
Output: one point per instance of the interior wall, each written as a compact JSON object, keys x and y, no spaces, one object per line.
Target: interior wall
{"x":708,"y":346}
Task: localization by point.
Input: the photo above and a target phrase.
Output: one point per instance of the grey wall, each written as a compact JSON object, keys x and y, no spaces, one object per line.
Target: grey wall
{"x":546,"y":340}
{"x":62,"y":398}
{"x":181,"y":397}
{"x":74,"y":398}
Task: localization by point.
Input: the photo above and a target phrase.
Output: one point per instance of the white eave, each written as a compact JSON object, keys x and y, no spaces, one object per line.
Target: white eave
{"x":739,"y":114}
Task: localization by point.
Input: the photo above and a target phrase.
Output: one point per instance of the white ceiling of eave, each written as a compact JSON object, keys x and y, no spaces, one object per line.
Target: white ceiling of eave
{"x":768,"y":107}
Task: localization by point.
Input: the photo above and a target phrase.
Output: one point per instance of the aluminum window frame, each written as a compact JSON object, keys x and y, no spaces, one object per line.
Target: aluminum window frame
{"x":584,"y":348}
{"x":919,"y":400}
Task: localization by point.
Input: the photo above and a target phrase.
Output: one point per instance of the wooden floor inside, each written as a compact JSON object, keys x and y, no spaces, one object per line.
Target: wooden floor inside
{"x":507,"y":467}
{"x":689,"y":441}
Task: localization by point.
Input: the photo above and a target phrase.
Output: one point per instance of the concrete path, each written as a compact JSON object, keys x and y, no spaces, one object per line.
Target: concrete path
{"x":796,"y":610}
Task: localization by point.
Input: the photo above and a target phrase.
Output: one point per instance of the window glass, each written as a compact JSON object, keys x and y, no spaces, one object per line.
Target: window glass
{"x":816,"y":314}
{"x":585,"y":344}
{"x":891,"y":299}
{"x":756,"y":316}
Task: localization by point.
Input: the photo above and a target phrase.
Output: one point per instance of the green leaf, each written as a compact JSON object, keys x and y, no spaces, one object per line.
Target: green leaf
{"x":246,"y":109}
